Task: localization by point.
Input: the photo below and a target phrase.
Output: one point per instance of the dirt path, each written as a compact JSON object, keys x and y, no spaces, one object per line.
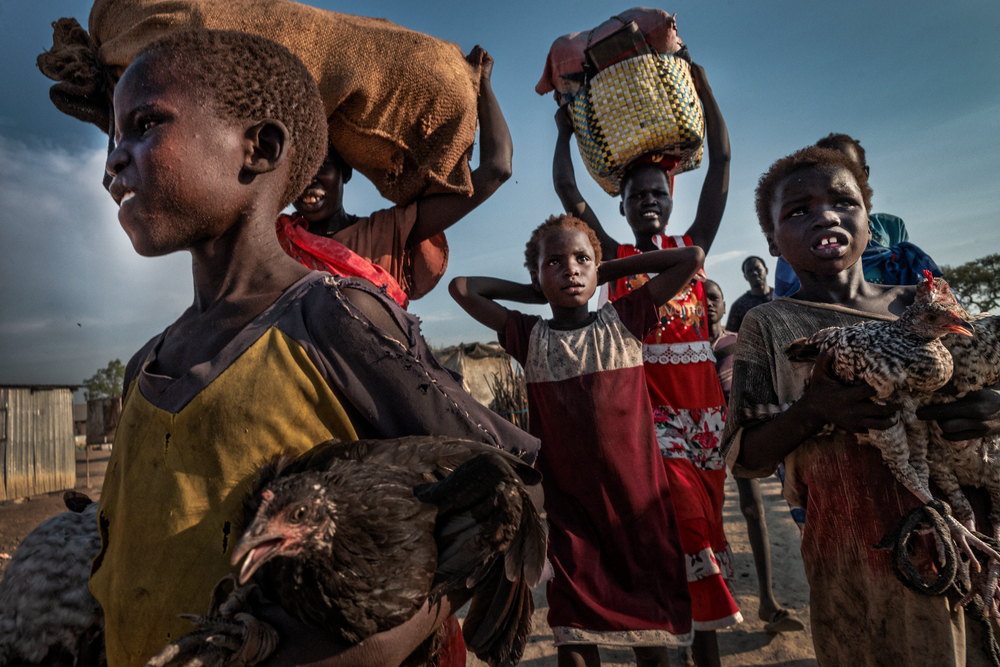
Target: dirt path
{"x":743,"y":645}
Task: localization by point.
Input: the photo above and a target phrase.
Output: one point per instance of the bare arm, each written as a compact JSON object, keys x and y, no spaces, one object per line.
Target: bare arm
{"x":478,"y":297}
{"x":826,"y":401}
{"x":715,"y":189}
{"x":564,"y":180}
{"x":436,"y":213}
{"x":675,"y":268}
{"x":975,"y":415}
{"x":303,"y":645}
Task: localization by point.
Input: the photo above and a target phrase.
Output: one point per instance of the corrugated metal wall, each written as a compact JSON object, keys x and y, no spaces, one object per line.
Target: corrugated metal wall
{"x":36,"y":441}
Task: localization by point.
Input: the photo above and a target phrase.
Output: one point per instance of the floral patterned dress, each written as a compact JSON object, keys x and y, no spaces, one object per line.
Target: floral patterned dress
{"x":689,"y":413}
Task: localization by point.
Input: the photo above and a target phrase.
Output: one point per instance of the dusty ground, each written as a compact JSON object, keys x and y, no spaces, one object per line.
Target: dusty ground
{"x":745,"y":644}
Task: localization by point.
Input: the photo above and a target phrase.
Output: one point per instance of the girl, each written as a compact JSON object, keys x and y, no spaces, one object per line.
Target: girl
{"x":683,"y":387}
{"x":613,"y":584}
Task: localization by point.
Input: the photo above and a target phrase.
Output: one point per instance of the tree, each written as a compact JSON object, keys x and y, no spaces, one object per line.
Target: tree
{"x":106,"y":382}
{"x":976,"y":283}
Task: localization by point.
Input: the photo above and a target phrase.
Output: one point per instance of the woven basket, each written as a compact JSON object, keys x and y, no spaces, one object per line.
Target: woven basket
{"x":646,"y":104}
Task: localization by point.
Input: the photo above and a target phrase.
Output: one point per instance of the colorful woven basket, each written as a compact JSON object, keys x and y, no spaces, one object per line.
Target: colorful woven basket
{"x":645,"y":104}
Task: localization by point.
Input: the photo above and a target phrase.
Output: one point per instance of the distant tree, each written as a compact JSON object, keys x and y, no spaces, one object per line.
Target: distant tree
{"x":977,"y":283}
{"x":106,"y":382}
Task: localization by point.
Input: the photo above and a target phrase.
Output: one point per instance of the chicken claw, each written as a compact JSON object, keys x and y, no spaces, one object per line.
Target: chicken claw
{"x":228,"y":636}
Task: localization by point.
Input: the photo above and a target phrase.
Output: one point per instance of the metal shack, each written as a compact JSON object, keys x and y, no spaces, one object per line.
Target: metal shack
{"x":37,"y":453}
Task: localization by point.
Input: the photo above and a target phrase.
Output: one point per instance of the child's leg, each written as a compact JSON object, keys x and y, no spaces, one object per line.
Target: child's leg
{"x":578,"y":655}
{"x":706,"y":649}
{"x":752,"y":506}
{"x":651,"y":656}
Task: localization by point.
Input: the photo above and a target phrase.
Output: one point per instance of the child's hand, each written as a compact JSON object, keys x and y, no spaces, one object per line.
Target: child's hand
{"x":975,"y":415}
{"x":848,"y":406}
{"x":564,"y":123}
{"x":479,"y":56}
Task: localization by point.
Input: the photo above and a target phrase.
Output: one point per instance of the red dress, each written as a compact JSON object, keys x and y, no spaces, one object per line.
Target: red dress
{"x":614,"y":546}
{"x":689,"y":413}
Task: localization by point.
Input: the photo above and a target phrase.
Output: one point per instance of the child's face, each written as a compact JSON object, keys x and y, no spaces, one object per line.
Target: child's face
{"x":820,"y":221}
{"x":646,"y":202}
{"x":325,"y":195}
{"x":177,"y":164}
{"x":715,"y":305}
{"x":567,"y":272}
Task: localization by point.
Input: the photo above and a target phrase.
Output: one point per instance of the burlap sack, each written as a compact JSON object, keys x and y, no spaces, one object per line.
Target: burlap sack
{"x":402,"y":106}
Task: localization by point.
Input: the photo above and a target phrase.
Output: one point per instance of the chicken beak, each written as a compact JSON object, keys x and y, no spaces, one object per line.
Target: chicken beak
{"x":257,"y":549}
{"x":962,"y":329}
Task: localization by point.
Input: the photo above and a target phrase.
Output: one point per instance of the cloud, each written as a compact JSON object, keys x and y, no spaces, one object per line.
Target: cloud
{"x":73,"y":292}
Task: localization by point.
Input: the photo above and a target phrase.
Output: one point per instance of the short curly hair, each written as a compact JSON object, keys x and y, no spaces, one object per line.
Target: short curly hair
{"x":811,"y":157}
{"x":250,"y":78}
{"x":839,"y":142}
{"x":553,"y":224}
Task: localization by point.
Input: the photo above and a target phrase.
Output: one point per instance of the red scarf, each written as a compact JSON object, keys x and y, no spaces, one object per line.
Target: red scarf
{"x":324,"y":254}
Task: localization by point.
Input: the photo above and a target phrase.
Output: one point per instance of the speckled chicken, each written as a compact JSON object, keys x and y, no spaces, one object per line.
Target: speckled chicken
{"x":47,"y":615}
{"x":974,"y":463}
{"x":355,"y":537}
{"x":905,"y":361}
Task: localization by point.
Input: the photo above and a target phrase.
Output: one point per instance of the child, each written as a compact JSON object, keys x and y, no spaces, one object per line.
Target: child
{"x":890,"y":258}
{"x":613,"y":542}
{"x":776,"y":618}
{"x":270,"y":358}
{"x":813,"y":208}
{"x":406,"y":241}
{"x":688,"y":406}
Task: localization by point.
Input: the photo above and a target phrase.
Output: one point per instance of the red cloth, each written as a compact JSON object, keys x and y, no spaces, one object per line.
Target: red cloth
{"x":613,"y":537}
{"x":452,"y":653}
{"x":325,"y":254}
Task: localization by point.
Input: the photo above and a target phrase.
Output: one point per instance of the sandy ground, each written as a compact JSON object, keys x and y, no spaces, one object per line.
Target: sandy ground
{"x":744,"y":644}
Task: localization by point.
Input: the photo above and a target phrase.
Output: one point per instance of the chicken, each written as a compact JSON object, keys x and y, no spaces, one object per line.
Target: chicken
{"x":47,"y":614}
{"x":905,"y":362}
{"x":974,"y":463}
{"x":355,"y":537}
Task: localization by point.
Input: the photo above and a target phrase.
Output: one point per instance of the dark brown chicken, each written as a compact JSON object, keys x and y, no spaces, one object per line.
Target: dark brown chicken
{"x":355,"y":537}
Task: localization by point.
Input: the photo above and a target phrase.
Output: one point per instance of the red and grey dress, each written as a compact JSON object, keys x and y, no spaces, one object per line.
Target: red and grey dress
{"x":618,"y":566}
{"x":689,"y":413}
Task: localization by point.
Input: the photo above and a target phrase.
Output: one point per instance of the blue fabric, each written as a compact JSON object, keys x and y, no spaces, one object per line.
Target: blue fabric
{"x":898,"y":263}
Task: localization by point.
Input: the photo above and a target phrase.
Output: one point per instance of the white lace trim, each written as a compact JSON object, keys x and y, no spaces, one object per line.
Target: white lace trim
{"x":678,"y":353}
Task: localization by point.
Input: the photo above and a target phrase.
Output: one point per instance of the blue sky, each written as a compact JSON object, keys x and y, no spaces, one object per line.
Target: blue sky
{"x":917,"y":83}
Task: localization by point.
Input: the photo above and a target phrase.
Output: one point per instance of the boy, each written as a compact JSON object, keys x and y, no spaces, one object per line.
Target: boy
{"x":813,"y":208}
{"x":270,"y":357}
{"x":407,"y":241}
{"x":684,"y":391}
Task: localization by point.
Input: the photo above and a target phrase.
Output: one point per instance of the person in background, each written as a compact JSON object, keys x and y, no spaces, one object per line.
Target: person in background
{"x":755,"y":273}
{"x":889,"y":257}
{"x":405,"y":245}
{"x":776,"y":618}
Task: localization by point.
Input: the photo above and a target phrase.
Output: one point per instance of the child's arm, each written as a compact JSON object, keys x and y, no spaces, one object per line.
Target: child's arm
{"x":675,"y":266}
{"x":826,"y":401}
{"x":715,"y":189}
{"x":564,"y":180}
{"x":304,"y":645}
{"x":975,"y":415}
{"x":436,"y":213}
{"x":478,"y":297}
